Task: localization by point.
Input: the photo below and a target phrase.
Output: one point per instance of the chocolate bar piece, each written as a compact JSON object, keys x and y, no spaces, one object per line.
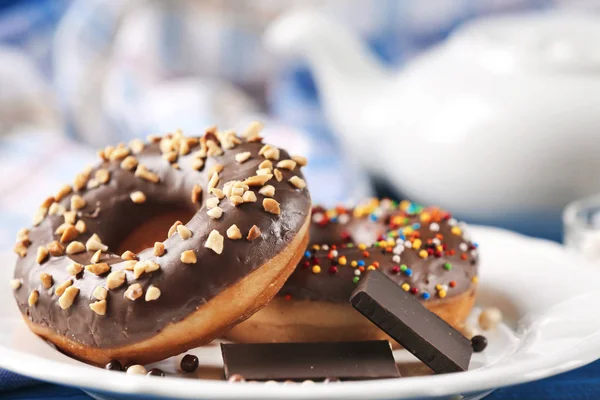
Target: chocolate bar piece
{"x":400,"y":315}
{"x":314,"y":361}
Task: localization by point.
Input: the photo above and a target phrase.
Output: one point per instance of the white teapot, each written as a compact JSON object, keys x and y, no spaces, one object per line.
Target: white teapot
{"x":500,"y":123}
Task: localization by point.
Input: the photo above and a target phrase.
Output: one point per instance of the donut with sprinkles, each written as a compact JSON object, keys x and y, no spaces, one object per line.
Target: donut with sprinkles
{"x":425,"y":251}
{"x":162,"y":246}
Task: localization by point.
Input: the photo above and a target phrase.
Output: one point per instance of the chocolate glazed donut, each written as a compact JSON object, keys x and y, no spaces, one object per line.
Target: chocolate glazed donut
{"x":249,"y":212}
{"x":424,"y":250}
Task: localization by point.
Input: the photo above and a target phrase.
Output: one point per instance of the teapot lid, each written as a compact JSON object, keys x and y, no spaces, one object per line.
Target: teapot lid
{"x":553,"y":41}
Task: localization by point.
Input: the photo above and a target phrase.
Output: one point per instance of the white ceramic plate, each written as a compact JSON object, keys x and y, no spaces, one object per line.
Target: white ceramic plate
{"x":551,"y":325}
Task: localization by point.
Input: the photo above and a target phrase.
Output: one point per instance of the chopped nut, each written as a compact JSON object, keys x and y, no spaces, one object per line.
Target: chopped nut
{"x":105,"y":155}
{"x":46,"y":280}
{"x":33,"y":298}
{"x":237,"y":191}
{"x":264,"y":149}
{"x":133,"y":292}
{"x":215,"y":168}
{"x":47,"y":202}
{"x":197,"y":164}
{"x":61,"y":228}
{"x":98,"y":269}
{"x":23,"y":233}
{"x":60,"y":289}
{"x":129,"y":265}
{"x":115,"y":279}
{"x":215,"y":241}
{"x":80,"y":226}
{"x":253,"y":130}
{"x":75,"y":247}
{"x":297,"y":182}
{"x":188,"y":257}
{"x":39,"y":216}
{"x":20,"y":249}
{"x":236,"y":200}
{"x":300,"y":160}
{"x":242,"y":157}
{"x":138,"y":197}
{"x":80,"y":181}
{"x":94,"y":243}
{"x":144,"y":267}
{"x":68,"y":297}
{"x":159,"y":249}
{"x":267,"y":190}
{"x":184,"y":148}
{"x":184,"y":232}
{"x":55,"y":249}
{"x":77,"y":202}
{"x":129,"y":163}
{"x":170,"y":156}
{"x":266,"y":164}
{"x":69,"y":234}
{"x":258,"y":180}
{"x":100,"y":293}
{"x":74,"y":268}
{"x":56,"y":209}
{"x":272,"y":154}
{"x":271,"y":206}
{"x":119,"y":154}
{"x":253,"y":233}
{"x":218,"y":193}
{"x":196,"y":191}
{"x":144,"y":173}
{"x":152,"y":293}
{"x":93,"y":183}
{"x":136,"y":146}
{"x":234,"y":232}
{"x":249,"y":197}
{"x":70,"y":217}
{"x":215,"y":212}
{"x":102,"y":176}
{"x":153,"y":138}
{"x":96,"y":257}
{"x":42,"y":254}
{"x":15,"y":283}
{"x":99,"y":307}
{"x":173,"y":229}
{"x":278,"y":175}
{"x":490,"y":318}
{"x":212,"y":202}
{"x":213,"y":148}
{"x":264,"y":171}
{"x":167,"y":145}
{"x":287,"y":164}
{"x":128,"y":255}
{"x":63,"y":192}
{"x":214,"y":181}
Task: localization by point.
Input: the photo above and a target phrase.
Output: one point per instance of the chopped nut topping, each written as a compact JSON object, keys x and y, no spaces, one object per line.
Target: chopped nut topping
{"x":15,"y":283}
{"x":167,"y":145}
{"x":134,"y":292}
{"x":136,"y":146}
{"x":46,"y":280}
{"x":217,"y":192}
{"x":287,"y":164}
{"x":55,"y":249}
{"x":234,"y":232}
{"x":264,"y":149}
{"x":100,"y":293}
{"x":47,"y":202}
{"x":153,"y":138}
{"x":115,"y":279}
{"x":213,"y":148}
{"x":75,"y":247}
{"x":98,"y":269}
{"x":214,"y":181}
{"x":297,"y":182}
{"x":119,"y":154}
{"x":170,"y":156}
{"x":184,"y":232}
{"x":130,"y":264}
{"x":184,"y":148}
{"x":159,"y":249}
{"x":212,"y":202}
{"x":228,"y":139}
{"x":196,"y":191}
{"x":271,"y":206}
{"x":102,"y":176}
{"x":99,"y":307}
{"x":138,"y":197}
{"x":268,"y":191}
{"x":42,"y":254}
{"x":152,"y":293}
{"x":68,"y":297}
{"x":253,"y":130}
{"x":215,"y":168}
{"x":264,"y":171}
{"x":77,"y":202}
{"x":258,"y":180}
{"x":197,"y":164}
{"x":33,"y":298}
{"x":80,"y":226}
{"x":93,"y":183}
{"x":144,"y":267}
{"x":249,"y":197}
{"x":70,"y":217}
{"x":215,"y":212}
{"x":74,"y":268}
{"x":129,"y":163}
{"x":272,"y":154}
{"x":128,"y":255}
{"x":94,"y":243}
{"x":56,"y":209}
{"x":175,"y":166}
{"x":242,"y":157}
{"x":96,"y":257}
{"x":69,"y":234}
{"x":236,"y":200}
{"x":62,"y":192}
{"x":105,"y":155}
{"x":20,"y":249}
{"x":144,"y":173}
{"x":23,"y":233}
{"x":215,"y":241}
{"x":188,"y":257}
{"x":266,"y":164}
{"x":253,"y":233}
{"x":61,"y":228}
{"x":173,"y":229}
{"x":60,"y":289}
{"x":300,"y":160}
{"x":237,"y":191}
{"x":82,"y":178}
{"x":39,"y":216}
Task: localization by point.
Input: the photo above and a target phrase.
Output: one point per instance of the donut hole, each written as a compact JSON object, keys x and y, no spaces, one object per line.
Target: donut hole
{"x":154,"y":228}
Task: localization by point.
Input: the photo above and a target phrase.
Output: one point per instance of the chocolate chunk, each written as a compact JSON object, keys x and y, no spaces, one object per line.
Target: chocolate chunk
{"x":156,"y":372}
{"x":302,"y":361}
{"x":478,"y":343}
{"x":114,"y":365}
{"x":400,"y":315}
{"x":189,"y":363}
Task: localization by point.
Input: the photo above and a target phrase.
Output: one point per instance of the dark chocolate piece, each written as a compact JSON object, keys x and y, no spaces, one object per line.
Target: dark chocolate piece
{"x":156,"y":372}
{"x":189,"y":363}
{"x":114,"y":365}
{"x":478,"y":343}
{"x":400,"y":315}
{"x":302,"y":361}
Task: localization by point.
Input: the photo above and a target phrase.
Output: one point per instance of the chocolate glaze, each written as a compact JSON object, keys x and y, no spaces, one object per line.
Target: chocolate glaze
{"x":111,"y":214}
{"x":368,"y":229}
